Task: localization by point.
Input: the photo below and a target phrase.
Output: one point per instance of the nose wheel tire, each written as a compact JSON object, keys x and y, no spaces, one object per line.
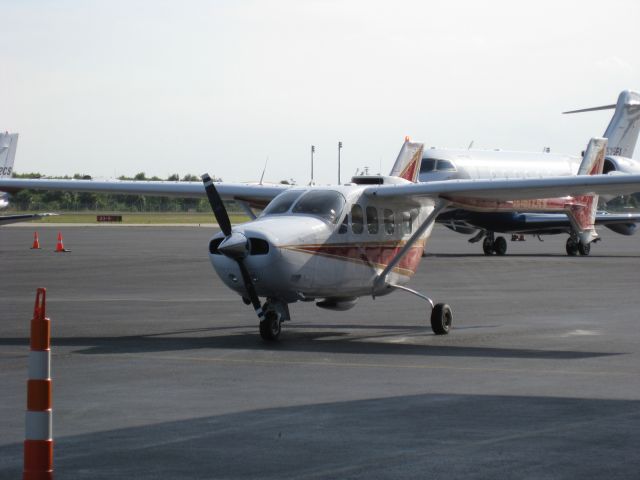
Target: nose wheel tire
{"x":270,"y":327}
{"x":441,"y":319}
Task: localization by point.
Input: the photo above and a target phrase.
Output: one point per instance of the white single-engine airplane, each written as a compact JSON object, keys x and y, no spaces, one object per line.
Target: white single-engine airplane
{"x":334,"y":244}
{"x":8,"y":146}
{"x":444,"y":164}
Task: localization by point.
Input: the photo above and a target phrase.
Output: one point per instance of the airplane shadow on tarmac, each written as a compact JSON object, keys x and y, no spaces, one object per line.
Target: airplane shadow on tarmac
{"x":410,"y":436}
{"x":328,"y":339}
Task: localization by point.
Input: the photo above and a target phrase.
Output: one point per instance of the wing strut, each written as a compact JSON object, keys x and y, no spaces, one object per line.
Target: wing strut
{"x":381,"y":280}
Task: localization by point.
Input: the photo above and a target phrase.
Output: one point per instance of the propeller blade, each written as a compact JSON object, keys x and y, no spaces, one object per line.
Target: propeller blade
{"x":248,"y":284}
{"x":216,"y":205}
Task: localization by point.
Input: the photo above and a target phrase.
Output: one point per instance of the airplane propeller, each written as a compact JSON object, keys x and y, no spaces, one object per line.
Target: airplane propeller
{"x":235,"y":245}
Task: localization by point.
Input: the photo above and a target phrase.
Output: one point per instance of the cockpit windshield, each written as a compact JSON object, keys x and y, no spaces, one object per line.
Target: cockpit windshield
{"x":327,"y":204}
{"x":427,"y":165}
{"x":282,"y":203}
{"x":431,"y":164}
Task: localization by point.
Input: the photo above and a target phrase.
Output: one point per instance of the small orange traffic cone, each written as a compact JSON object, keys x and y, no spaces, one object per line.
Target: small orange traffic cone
{"x":60,"y":245}
{"x":36,"y":242}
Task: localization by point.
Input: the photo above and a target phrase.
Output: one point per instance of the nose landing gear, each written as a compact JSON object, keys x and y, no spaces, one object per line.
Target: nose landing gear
{"x":271,"y":326}
{"x":275,"y":312}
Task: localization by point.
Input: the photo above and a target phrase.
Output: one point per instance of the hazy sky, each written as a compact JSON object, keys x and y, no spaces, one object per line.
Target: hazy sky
{"x":118,"y":87}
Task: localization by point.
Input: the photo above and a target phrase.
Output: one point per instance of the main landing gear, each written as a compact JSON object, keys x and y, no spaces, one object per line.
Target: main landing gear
{"x":441,"y":319}
{"x":441,"y":315}
{"x":575,"y":246}
{"x":491,"y":245}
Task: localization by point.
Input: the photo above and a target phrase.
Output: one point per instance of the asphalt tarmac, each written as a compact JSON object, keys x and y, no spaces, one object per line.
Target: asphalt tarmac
{"x":159,"y":371}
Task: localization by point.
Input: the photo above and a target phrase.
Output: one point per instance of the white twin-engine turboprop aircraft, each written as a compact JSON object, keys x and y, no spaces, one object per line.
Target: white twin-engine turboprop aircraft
{"x":443,"y":164}
{"x":334,"y":244}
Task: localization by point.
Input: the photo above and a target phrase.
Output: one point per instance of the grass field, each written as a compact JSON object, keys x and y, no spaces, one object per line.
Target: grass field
{"x":142,"y":218}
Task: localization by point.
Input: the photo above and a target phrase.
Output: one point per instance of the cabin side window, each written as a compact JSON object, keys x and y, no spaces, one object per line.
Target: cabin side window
{"x":406,"y":223}
{"x":356,"y":219}
{"x":389,"y":221}
{"x":372,"y":220}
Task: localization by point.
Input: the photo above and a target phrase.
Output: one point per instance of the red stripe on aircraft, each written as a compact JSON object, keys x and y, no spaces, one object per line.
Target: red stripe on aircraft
{"x":376,"y":255}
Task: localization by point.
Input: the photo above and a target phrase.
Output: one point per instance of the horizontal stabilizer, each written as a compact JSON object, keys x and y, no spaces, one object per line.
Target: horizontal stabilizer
{"x":593,"y":109}
{"x":624,"y":126}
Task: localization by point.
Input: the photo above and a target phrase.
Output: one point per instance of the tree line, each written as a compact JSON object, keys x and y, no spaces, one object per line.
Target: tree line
{"x":34,"y":200}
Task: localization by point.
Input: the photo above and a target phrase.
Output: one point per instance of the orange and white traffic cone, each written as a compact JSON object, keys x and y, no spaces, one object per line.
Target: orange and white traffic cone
{"x":36,"y":242}
{"x":38,"y":444}
{"x":60,"y":245}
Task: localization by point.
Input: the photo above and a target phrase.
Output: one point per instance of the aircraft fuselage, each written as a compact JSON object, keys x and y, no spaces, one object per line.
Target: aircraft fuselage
{"x":303,"y":256}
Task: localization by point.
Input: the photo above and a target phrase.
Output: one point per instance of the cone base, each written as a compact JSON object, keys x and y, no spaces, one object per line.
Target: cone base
{"x":38,"y":460}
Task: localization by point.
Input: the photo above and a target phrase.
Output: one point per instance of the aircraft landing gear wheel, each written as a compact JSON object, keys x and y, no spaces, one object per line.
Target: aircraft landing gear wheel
{"x":584,"y":249}
{"x":441,"y":319}
{"x":500,"y":246}
{"x":572,"y":247}
{"x":487,"y":246}
{"x":270,"y":327}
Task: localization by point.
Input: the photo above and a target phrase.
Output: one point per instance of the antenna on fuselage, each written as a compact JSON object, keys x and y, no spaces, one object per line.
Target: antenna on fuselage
{"x":339,"y":149}
{"x":264,"y":170}
{"x":313,"y":150}
{"x":470,"y":145}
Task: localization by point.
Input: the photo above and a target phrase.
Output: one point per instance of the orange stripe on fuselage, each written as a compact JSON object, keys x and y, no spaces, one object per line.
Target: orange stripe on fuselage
{"x":373,"y":254}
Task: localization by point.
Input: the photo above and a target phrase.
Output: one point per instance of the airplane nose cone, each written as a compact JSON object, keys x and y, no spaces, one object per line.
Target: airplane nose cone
{"x":235,"y":246}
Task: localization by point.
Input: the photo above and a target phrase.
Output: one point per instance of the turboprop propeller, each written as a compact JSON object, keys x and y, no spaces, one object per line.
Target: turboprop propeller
{"x":234,"y":246}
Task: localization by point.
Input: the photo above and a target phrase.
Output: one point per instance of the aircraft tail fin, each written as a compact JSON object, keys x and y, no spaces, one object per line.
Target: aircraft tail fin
{"x":624,"y":126}
{"x":8,"y":145}
{"x":582,"y":213}
{"x":407,"y":164}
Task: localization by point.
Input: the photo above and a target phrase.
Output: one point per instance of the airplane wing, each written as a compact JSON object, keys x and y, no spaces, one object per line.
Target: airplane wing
{"x":7,"y":219}
{"x":254,"y":195}
{"x":511,"y":189}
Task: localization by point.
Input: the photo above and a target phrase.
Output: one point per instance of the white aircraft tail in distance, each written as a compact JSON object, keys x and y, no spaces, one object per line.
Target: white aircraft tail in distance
{"x":333,"y":244}
{"x":622,"y":131}
{"x":8,"y":145}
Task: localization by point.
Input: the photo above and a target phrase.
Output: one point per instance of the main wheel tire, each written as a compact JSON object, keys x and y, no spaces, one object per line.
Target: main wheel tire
{"x":500,"y":246}
{"x":487,"y":246}
{"x":441,"y":319}
{"x":572,"y":247}
{"x":584,"y":249}
{"x":270,"y":327}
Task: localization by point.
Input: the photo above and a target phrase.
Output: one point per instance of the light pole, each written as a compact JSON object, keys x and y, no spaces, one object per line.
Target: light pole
{"x":313,"y":149}
{"x":339,"y":148}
